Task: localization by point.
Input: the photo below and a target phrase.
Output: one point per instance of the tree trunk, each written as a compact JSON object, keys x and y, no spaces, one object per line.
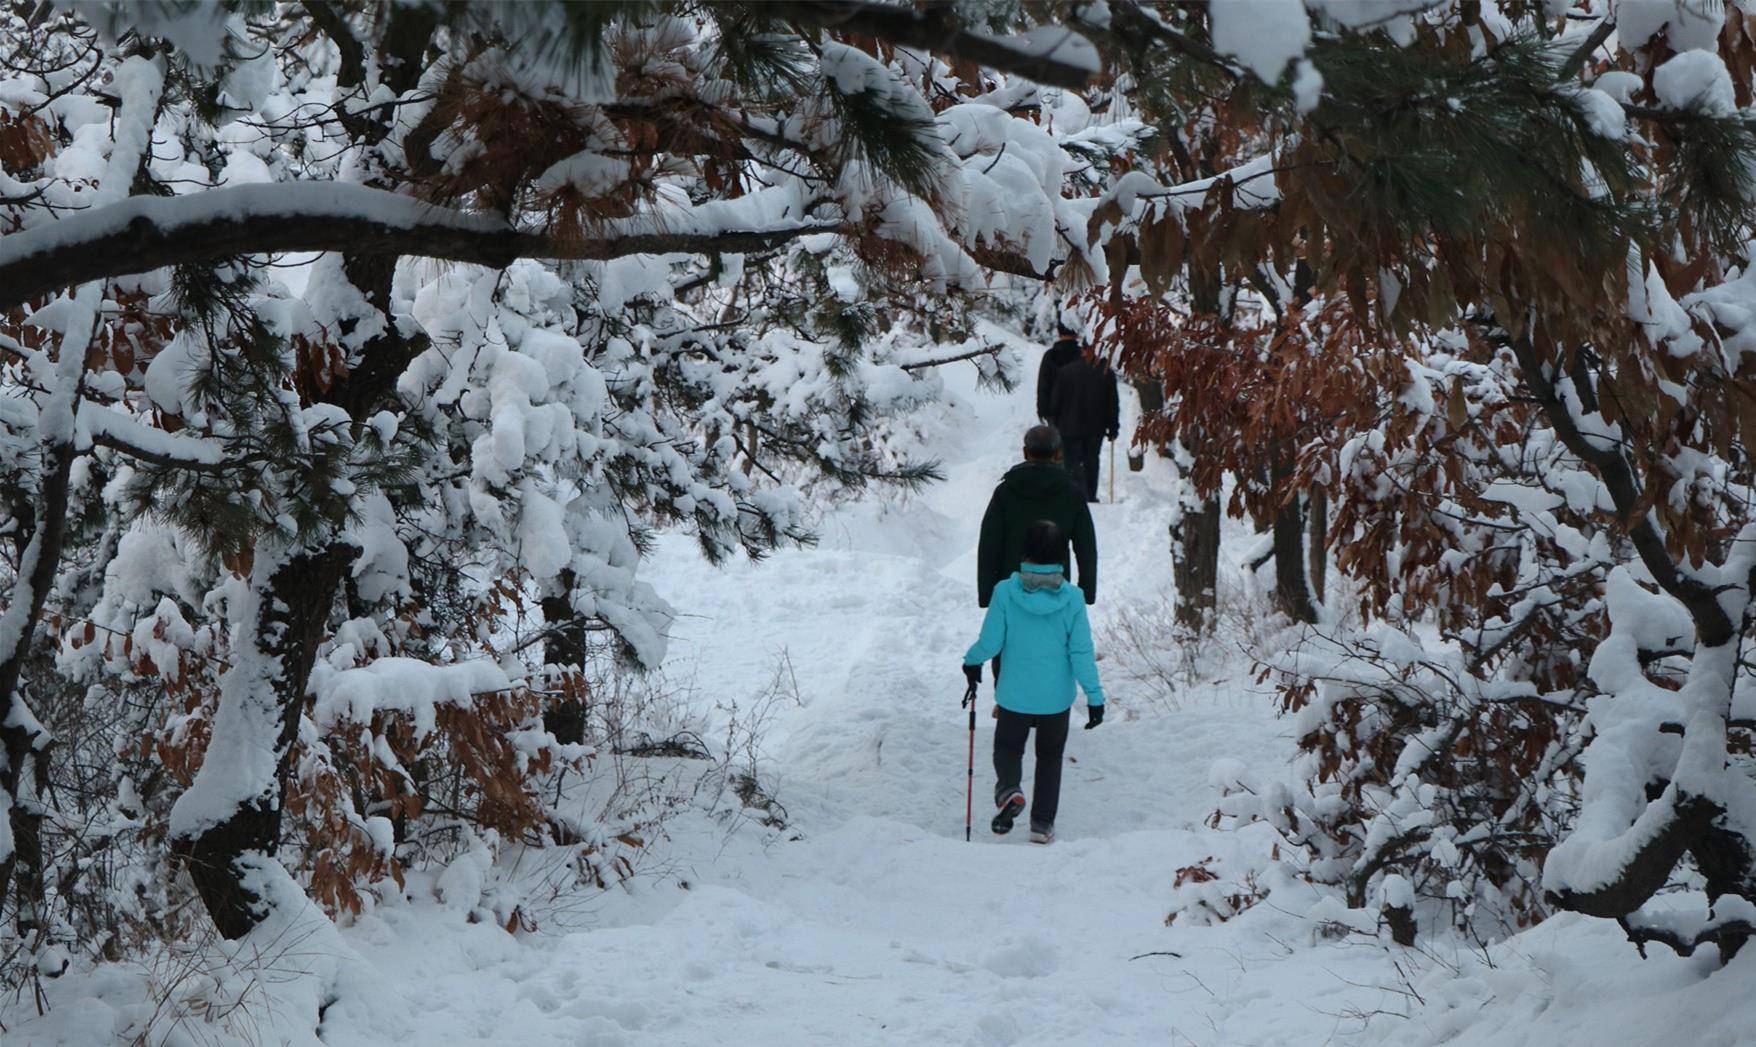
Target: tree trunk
{"x":1317,"y":506}
{"x":564,"y":647}
{"x":1292,"y":589}
{"x":23,"y":741}
{"x":1152,"y":402}
{"x":1195,"y":564}
{"x":232,"y":809}
{"x":1701,"y":785}
{"x":1401,"y":921}
{"x":262,"y":695}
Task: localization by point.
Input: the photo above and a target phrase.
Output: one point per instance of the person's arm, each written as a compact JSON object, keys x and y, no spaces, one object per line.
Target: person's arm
{"x":1079,"y":649}
{"x":1045,"y":384}
{"x":990,"y":550}
{"x":993,"y":635}
{"x":1085,"y":550}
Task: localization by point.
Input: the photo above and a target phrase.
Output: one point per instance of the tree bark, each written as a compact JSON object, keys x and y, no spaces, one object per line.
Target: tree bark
{"x":1401,"y":921}
{"x":23,"y":741}
{"x":292,"y":611}
{"x":143,"y":234}
{"x":1701,"y":600}
{"x":1152,"y":401}
{"x":299,"y":596}
{"x":1292,"y":589}
{"x":935,"y":28}
{"x":1694,"y":824}
{"x":563,"y":648}
{"x":1195,"y":565}
{"x":1317,"y":507}
{"x":1647,"y":869}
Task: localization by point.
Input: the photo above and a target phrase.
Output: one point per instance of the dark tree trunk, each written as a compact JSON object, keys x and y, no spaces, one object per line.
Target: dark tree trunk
{"x":290,"y":626}
{"x":23,"y":742}
{"x":1292,"y":589}
{"x":1152,"y":402}
{"x":1195,"y":564}
{"x":564,"y":647}
{"x":295,"y":608}
{"x":1401,"y":921}
{"x":1696,"y":824}
{"x":1317,"y":506}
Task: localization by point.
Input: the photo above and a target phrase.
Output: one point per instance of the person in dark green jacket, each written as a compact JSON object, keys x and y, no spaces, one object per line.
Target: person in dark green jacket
{"x":1036,"y":489}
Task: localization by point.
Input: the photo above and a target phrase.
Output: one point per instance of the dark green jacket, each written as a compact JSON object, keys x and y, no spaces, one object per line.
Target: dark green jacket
{"x":1033,"y":491}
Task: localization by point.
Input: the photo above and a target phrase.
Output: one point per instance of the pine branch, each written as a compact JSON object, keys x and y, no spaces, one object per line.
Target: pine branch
{"x":1576,"y":61}
{"x":147,"y":233}
{"x":198,"y":460}
{"x":934,"y":29}
{"x":973,"y":354}
{"x":1129,"y":19}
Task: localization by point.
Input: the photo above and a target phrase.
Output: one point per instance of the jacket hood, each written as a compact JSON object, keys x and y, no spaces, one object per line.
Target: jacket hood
{"x":1043,"y":589}
{"x":1037,"y":480}
{"x":1034,"y":576}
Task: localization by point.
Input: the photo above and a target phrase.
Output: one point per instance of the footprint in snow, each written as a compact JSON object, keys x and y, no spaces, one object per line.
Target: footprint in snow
{"x":1024,"y":958}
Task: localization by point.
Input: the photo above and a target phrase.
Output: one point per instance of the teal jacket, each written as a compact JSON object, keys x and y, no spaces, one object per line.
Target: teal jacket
{"x":1036,"y":623}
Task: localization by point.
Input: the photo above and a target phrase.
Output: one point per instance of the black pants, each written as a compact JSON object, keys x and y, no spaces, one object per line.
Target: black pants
{"x":1081,"y":456}
{"x":1009,"y":736}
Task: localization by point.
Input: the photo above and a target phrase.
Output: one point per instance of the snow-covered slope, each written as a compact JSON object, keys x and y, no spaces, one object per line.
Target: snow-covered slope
{"x":869,"y":919}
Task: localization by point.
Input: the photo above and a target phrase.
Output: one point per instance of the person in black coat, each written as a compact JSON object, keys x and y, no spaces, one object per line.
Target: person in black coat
{"x":1063,"y":352}
{"x":1036,"y":489}
{"x":1087,"y":409}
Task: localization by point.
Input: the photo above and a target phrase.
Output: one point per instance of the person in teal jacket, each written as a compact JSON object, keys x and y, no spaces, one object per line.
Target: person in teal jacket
{"x":1036,"y":622}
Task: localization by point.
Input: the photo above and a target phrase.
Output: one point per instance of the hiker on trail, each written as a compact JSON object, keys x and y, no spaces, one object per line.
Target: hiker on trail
{"x":1036,"y":489}
{"x":1085,"y":407}
{"x":1063,"y":352}
{"x":1036,"y":623}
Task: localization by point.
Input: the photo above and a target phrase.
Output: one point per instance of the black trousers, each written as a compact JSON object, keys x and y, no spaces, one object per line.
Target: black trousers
{"x":1081,"y":456}
{"x":1009,"y":737}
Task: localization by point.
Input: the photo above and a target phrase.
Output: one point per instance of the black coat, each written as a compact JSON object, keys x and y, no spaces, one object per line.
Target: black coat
{"x":1033,"y":491}
{"x":1085,"y":404}
{"x":1059,"y":355}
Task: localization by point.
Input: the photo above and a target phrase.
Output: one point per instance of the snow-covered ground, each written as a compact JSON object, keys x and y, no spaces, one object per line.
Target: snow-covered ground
{"x":869,"y":919}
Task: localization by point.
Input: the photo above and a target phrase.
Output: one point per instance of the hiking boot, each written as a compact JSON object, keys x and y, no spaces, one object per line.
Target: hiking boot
{"x":1042,"y":834}
{"x":1010,"y":808}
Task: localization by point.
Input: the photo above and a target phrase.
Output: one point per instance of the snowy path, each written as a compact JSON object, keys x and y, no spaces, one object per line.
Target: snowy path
{"x":869,"y":920}
{"x":881,"y":924}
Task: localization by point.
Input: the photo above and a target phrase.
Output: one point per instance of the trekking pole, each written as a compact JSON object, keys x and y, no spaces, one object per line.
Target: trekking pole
{"x":1112,"y":472}
{"x":969,"y":796}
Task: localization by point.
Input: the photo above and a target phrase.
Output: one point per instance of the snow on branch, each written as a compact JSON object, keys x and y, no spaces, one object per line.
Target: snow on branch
{"x":117,"y":431}
{"x":1137,"y":198}
{"x":406,"y":685}
{"x":1623,"y":484}
{"x":1051,"y":55}
{"x":145,"y":233}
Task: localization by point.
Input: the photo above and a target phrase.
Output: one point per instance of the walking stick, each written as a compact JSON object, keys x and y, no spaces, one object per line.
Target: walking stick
{"x":969,"y":796}
{"x":1112,"y":471}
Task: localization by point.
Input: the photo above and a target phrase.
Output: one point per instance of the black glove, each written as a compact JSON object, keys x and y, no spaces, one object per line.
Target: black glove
{"x":973,"y":673}
{"x":1094,"y":715}
{"x":1113,"y":434}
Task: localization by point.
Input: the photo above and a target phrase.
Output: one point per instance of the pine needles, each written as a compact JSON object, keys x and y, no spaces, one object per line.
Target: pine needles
{"x":883,"y":124}
{"x":1429,"y":141}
